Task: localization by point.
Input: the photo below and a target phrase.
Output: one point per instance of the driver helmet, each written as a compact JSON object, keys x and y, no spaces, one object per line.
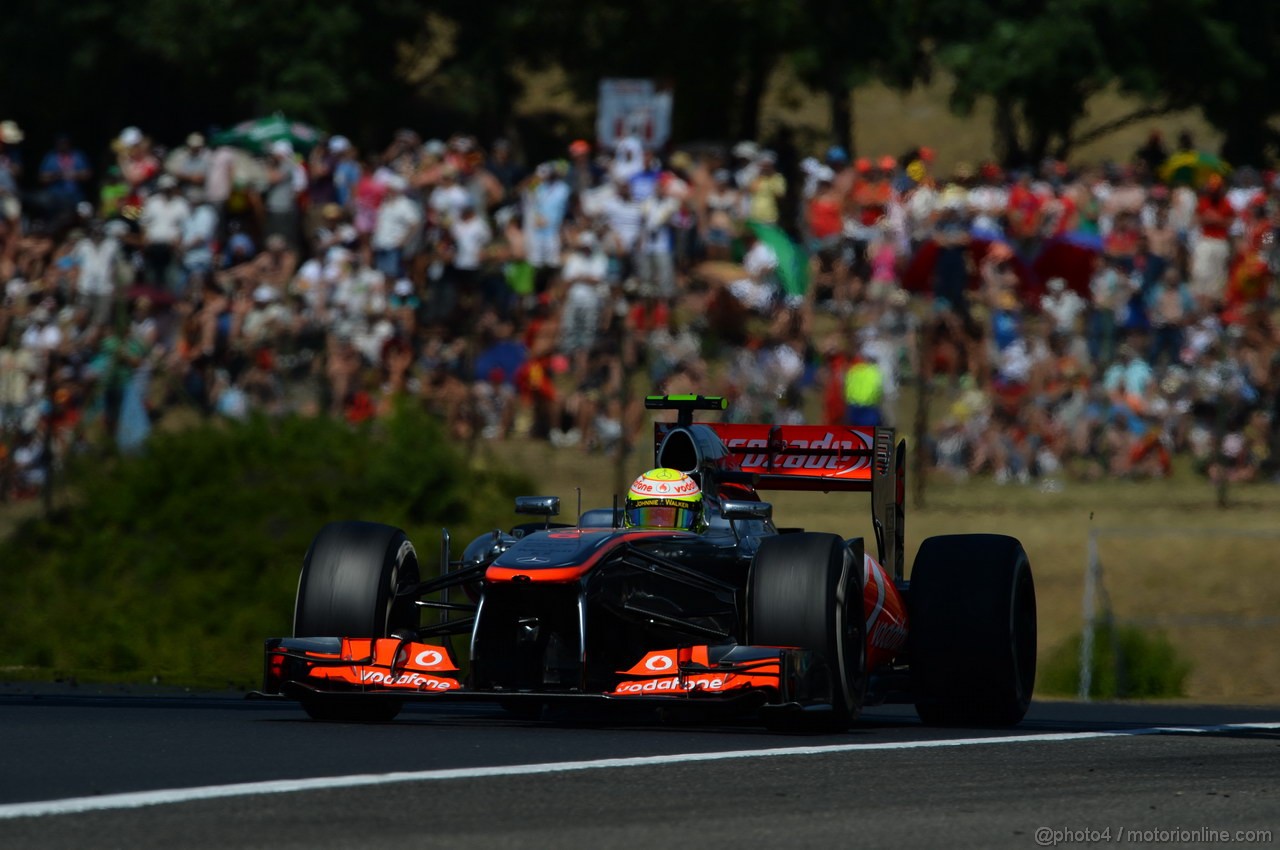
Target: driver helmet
{"x":664,"y":498}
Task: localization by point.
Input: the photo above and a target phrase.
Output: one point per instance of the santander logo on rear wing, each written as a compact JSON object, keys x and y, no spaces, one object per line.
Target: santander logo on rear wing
{"x":798,"y":457}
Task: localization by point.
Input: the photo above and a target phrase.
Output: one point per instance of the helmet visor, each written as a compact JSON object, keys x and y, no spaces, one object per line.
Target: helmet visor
{"x":663,"y":513}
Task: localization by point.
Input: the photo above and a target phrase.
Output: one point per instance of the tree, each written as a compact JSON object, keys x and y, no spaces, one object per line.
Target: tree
{"x":1157,"y":66}
{"x":329,"y":63}
{"x":1039,"y":62}
{"x":171,"y":66}
{"x":843,"y":45}
{"x":1243,"y":104}
{"x":716,"y":55}
{"x":1042,"y":61}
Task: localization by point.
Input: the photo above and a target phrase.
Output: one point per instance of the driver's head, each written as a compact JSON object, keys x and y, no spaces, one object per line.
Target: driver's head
{"x":664,"y":498}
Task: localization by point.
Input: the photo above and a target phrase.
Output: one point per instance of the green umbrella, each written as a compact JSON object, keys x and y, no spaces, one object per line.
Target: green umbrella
{"x":793,"y":261}
{"x":258,"y":134}
{"x":1192,"y":168}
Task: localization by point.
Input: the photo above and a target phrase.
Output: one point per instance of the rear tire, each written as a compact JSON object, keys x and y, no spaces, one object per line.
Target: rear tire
{"x":348,"y":589}
{"x":805,"y":590}
{"x":972,"y":630}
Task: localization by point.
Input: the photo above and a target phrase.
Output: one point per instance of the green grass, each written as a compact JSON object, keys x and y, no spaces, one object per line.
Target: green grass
{"x":175,"y":566}
{"x":1128,"y":663}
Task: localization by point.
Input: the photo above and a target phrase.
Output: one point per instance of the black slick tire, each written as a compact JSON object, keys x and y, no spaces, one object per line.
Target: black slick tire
{"x":805,"y":591}
{"x":348,"y":589}
{"x":972,"y":630}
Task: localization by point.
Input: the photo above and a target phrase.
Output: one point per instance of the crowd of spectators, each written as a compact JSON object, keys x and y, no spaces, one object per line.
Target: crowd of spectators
{"x":1062,"y":321}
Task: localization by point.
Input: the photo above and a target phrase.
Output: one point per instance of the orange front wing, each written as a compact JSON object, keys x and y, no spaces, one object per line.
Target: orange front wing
{"x":389,"y":665}
{"x":360,"y":664}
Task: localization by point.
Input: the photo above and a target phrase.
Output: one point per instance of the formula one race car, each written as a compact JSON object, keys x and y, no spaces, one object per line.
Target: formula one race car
{"x":802,"y":629}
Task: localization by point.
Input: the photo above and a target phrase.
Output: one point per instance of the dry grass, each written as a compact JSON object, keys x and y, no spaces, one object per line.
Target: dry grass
{"x":1229,"y":580}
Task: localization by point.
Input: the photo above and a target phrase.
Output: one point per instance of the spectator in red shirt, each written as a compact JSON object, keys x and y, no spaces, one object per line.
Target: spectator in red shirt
{"x":1024,"y":214}
{"x":824,"y":222}
{"x":822,"y":214}
{"x":874,"y":194}
{"x":1122,"y":242}
{"x":1212,"y":250}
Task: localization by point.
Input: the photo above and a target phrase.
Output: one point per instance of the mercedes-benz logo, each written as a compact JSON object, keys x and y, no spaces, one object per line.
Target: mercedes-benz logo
{"x":532,"y":559}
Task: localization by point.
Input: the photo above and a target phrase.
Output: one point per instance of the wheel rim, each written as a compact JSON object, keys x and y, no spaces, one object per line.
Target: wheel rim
{"x":399,"y":612}
{"x":1022,"y":630}
{"x":849,"y":627}
{"x":387,"y":609}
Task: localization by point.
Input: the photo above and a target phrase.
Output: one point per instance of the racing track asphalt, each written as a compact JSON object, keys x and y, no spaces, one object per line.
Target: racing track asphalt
{"x":892,"y":782}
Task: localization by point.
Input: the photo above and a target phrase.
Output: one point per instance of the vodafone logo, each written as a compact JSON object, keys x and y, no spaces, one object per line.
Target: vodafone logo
{"x":428,"y":658}
{"x":659,"y":663}
{"x":696,"y":683}
{"x":889,"y":635}
{"x":410,"y":680}
{"x":678,"y":484}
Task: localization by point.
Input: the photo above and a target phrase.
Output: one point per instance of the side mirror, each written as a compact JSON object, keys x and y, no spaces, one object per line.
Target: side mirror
{"x":732,"y":509}
{"x":547,"y":506}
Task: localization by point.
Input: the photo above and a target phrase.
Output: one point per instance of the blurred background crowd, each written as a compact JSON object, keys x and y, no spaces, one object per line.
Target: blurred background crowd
{"x":1066,"y":320}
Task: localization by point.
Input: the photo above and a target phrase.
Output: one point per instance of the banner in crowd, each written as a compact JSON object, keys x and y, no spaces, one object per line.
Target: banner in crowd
{"x":632,"y":107}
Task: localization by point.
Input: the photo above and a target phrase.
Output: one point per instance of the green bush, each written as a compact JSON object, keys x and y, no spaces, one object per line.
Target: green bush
{"x":1128,"y":663}
{"x":177,"y":564}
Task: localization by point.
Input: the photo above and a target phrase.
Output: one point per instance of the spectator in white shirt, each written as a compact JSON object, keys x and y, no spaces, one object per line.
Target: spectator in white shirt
{"x":286,"y":180}
{"x":398,"y":219}
{"x":198,"y":235}
{"x":43,"y":334}
{"x":657,"y":260}
{"x":583,"y":272}
{"x":471,"y":235}
{"x":191,"y":164}
{"x":625,"y":219}
{"x":164,"y":214}
{"x":1063,"y":306}
{"x":758,"y":289}
{"x":448,"y":198}
{"x":97,"y":256}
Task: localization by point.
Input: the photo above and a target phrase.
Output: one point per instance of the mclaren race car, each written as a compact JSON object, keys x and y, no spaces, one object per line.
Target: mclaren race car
{"x":800,"y":629}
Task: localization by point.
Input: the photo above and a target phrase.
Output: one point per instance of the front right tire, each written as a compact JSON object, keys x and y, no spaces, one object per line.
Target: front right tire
{"x":805,"y":591}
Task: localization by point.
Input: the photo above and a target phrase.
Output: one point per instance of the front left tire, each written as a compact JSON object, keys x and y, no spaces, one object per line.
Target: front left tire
{"x":347,"y":588}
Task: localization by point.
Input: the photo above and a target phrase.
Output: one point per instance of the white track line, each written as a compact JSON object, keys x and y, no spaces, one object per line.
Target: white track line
{"x":76,"y":805}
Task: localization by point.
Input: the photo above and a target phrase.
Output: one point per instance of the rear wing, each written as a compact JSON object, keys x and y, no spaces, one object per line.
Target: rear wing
{"x":803,"y":457}
{"x":820,"y":458}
